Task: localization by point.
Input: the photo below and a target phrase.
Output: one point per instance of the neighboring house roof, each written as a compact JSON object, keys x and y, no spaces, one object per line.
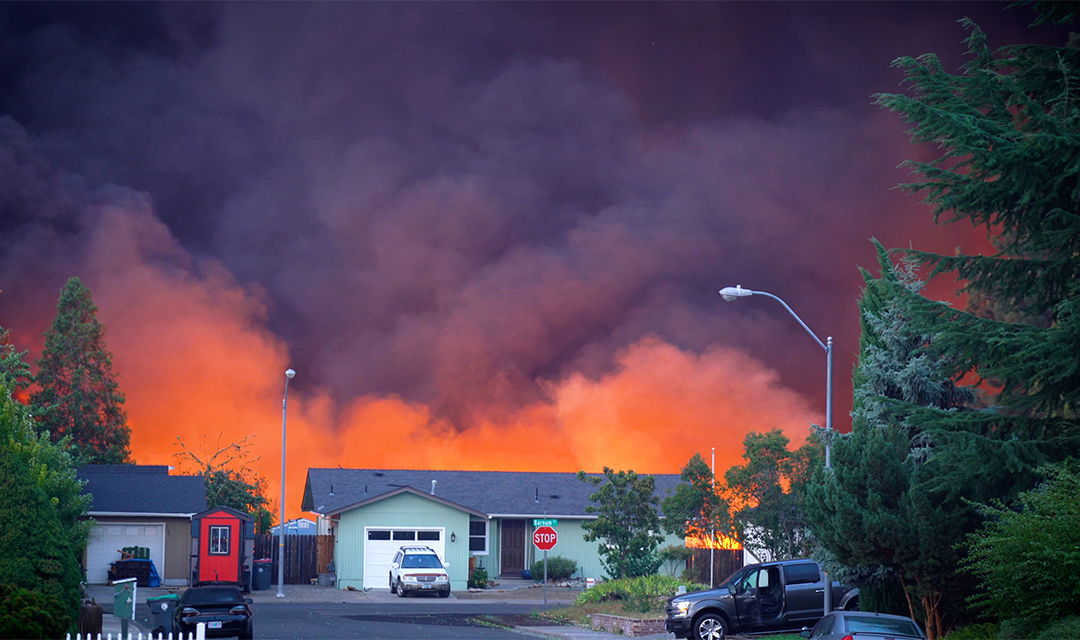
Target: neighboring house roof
{"x":489,"y":493}
{"x":129,"y":489}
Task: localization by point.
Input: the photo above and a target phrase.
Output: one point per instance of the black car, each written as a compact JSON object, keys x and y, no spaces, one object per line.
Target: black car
{"x":223,"y":609}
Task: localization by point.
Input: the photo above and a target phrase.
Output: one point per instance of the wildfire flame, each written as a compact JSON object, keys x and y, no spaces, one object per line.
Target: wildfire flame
{"x":718,"y":541}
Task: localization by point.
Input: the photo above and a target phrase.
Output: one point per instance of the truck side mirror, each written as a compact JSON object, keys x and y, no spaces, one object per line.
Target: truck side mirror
{"x":731,"y":589}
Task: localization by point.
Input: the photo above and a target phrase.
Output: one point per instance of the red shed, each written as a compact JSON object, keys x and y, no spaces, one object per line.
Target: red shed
{"x":221,"y":535}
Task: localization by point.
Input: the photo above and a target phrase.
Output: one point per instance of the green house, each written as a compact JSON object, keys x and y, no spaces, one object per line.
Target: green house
{"x":470,"y":518}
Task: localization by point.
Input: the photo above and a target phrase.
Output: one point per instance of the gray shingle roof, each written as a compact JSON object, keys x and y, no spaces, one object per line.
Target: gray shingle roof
{"x":129,"y":488}
{"x":522,"y":493}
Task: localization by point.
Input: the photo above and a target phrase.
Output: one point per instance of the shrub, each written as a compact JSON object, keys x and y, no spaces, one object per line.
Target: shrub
{"x":29,"y":614}
{"x":984,"y":631}
{"x":558,"y":568}
{"x":478,"y":579}
{"x":1065,"y":628}
{"x":644,"y":593}
{"x":35,"y":551}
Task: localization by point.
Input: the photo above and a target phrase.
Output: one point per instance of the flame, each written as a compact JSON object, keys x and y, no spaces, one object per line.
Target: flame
{"x":719,"y":541}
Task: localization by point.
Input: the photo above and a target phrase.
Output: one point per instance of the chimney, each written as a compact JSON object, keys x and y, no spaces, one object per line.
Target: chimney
{"x":433,"y":483}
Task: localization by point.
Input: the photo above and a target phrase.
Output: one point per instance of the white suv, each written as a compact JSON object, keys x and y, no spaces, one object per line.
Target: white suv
{"x":418,"y":569}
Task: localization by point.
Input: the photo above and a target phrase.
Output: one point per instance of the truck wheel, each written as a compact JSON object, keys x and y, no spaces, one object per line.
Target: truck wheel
{"x":710,"y":627}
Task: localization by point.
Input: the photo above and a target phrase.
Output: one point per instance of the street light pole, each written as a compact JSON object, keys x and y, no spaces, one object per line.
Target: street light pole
{"x":734,"y":293}
{"x":289,"y":373}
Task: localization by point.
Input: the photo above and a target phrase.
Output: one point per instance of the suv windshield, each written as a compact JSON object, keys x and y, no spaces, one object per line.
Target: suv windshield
{"x":420,"y":561}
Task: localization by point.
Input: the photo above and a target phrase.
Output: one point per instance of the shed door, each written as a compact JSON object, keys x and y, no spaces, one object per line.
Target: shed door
{"x":221,"y":541}
{"x":106,"y":540}
{"x":381,"y":543}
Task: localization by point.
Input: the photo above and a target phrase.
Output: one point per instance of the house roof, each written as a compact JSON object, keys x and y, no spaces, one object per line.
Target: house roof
{"x":492,"y":493}
{"x":123,"y":489}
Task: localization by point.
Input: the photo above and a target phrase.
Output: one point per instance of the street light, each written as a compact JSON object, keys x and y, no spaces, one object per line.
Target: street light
{"x":732,"y":294}
{"x":289,"y":373}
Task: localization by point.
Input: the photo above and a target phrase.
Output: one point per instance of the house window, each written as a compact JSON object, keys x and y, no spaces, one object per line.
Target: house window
{"x":478,"y":537}
{"x":219,"y":541}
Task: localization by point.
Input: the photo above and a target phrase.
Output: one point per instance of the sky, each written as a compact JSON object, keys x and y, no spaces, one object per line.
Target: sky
{"x":485,"y":235}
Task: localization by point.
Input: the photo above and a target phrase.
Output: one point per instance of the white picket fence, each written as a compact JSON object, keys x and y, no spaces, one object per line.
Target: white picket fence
{"x":200,"y":634}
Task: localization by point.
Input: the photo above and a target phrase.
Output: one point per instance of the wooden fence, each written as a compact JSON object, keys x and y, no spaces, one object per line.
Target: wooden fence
{"x":305,"y":556}
{"x":725,"y":563}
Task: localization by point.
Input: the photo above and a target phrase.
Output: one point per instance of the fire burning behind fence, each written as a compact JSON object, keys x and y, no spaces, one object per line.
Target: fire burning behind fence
{"x":719,"y":541}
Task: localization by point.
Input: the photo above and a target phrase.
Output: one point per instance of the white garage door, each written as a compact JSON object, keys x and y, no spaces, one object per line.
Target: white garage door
{"x":381,"y":543}
{"x":108,"y":538}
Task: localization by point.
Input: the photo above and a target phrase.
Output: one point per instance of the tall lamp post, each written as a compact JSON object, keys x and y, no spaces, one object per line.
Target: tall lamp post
{"x":289,"y":373}
{"x":734,"y":293}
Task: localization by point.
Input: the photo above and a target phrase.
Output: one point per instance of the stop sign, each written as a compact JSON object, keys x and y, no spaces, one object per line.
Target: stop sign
{"x":545,"y":538}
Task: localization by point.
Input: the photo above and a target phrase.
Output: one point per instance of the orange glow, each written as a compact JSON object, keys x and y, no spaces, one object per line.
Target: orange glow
{"x":196,"y":361}
{"x":719,"y":542}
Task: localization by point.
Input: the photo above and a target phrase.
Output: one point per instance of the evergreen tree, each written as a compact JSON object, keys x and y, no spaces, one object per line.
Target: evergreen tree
{"x":892,"y":508}
{"x":12,"y":364}
{"x":627,"y":524}
{"x":78,"y":396}
{"x":1008,"y":129}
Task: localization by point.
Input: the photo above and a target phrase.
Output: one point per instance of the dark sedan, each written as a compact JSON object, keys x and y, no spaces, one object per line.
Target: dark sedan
{"x":861,"y":625}
{"x":224,"y":610}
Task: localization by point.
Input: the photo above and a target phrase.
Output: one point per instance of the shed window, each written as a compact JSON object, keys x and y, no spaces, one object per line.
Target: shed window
{"x":219,"y":541}
{"x":478,"y":537}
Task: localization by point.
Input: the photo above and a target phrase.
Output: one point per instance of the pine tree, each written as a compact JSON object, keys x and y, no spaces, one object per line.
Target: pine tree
{"x":891,"y":509}
{"x":13,"y":367}
{"x":1008,"y":129}
{"x":78,"y":396}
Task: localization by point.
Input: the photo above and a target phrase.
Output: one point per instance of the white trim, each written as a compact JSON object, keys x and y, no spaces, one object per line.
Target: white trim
{"x":139,"y":514}
{"x":487,"y":537}
{"x":526,"y":516}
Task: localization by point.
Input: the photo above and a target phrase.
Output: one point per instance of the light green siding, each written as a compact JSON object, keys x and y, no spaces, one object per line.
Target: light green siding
{"x":402,"y":510}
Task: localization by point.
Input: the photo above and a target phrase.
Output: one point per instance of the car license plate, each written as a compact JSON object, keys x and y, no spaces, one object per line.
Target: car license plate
{"x":213,"y":624}
{"x":427,"y":586}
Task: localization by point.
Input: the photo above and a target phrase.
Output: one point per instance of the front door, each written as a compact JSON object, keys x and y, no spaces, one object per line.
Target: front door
{"x":513,"y":548}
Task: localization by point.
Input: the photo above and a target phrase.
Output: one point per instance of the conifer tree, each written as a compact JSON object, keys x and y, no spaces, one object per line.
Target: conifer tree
{"x":1008,"y":131}
{"x":78,"y":396}
{"x":890,"y":510}
{"x":12,"y":364}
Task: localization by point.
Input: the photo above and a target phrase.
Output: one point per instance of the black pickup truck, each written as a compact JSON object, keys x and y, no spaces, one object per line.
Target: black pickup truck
{"x":772,"y":596}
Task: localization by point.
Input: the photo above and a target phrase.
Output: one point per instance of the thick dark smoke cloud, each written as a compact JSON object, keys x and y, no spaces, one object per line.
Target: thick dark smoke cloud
{"x":451,"y":203}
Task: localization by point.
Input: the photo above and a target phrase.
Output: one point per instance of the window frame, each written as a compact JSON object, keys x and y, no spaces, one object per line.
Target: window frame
{"x":486,"y":537}
{"x":213,"y":546}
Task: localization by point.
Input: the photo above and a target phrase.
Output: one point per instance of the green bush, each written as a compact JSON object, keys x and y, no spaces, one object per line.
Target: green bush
{"x":984,"y":631}
{"x":558,"y":568}
{"x":644,"y":593}
{"x":29,"y":614}
{"x":35,"y":551}
{"x":478,"y":579}
{"x":1067,"y":628}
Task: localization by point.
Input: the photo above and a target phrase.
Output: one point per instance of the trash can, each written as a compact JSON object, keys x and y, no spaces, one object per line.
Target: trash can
{"x":161,"y":611}
{"x":262,"y":569}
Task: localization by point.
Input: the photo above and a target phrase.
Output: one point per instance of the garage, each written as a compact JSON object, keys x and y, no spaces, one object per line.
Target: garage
{"x":381,"y":543}
{"x":107,"y":539}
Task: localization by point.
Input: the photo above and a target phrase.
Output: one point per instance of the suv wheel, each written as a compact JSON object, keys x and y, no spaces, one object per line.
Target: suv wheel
{"x":401,"y":590}
{"x":710,"y":627}
{"x":393,"y":587}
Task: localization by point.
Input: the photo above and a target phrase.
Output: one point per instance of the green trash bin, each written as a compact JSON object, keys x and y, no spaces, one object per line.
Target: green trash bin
{"x":161,"y":611}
